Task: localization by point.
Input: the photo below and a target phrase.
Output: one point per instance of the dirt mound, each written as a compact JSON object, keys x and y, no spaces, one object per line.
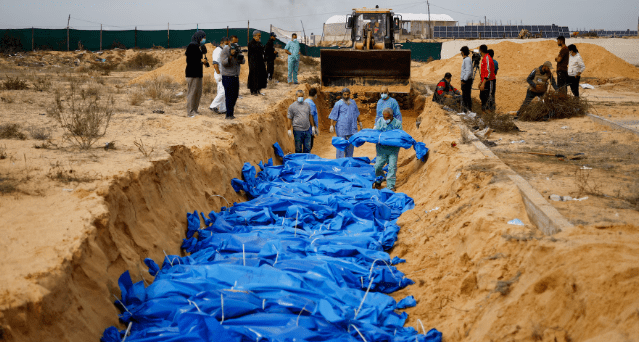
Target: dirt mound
{"x":479,"y":278}
{"x":518,"y":60}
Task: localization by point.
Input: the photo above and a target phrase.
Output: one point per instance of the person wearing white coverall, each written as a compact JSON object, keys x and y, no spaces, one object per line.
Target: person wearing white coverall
{"x":219,"y":103}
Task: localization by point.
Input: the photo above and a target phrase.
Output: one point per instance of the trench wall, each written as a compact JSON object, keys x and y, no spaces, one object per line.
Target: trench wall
{"x":144,"y":215}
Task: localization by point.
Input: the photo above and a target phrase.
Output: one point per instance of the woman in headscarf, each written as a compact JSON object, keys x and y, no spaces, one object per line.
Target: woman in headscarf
{"x":194,"y":71}
{"x":257,"y":77}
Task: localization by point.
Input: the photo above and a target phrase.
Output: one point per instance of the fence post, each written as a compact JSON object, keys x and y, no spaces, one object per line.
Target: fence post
{"x":168,"y":36}
{"x":227,"y":33}
{"x":248,"y":34}
{"x":68,"y":20}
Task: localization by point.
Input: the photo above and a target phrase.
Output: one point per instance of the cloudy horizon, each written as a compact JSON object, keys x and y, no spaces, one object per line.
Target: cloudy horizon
{"x":290,"y":14}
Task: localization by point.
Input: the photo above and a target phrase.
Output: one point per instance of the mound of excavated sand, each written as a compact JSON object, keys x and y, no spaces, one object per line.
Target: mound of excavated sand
{"x":176,"y":69}
{"x":518,"y":60}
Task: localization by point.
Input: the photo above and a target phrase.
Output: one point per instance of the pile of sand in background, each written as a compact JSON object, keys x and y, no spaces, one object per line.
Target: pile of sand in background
{"x":518,"y":60}
{"x":176,"y":69}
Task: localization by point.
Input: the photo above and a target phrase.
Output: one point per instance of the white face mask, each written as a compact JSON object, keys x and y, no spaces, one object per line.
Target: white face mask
{"x":294,"y":39}
{"x":384,"y":96}
{"x":300,"y":99}
{"x":387,"y":121}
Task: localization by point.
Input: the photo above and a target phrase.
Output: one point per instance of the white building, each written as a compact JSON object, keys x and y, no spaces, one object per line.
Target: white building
{"x":414,"y":26}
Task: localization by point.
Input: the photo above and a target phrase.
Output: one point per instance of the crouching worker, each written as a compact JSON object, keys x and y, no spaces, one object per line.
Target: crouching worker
{"x":446,"y":90}
{"x":538,"y":81}
{"x":301,"y":124}
{"x":387,"y":154}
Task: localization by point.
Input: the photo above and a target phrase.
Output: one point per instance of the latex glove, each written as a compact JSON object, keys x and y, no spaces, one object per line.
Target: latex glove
{"x":314,"y":131}
{"x":374,"y":127}
{"x":290,"y":133}
{"x":331,"y":129}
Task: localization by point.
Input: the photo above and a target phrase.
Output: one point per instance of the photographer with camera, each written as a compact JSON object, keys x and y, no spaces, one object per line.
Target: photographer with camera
{"x":538,"y":81}
{"x":466,"y":79}
{"x":194,"y":71}
{"x":232,"y":59}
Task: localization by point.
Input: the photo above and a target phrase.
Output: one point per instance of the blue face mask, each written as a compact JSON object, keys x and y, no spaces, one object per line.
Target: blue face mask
{"x":384,"y":96}
{"x":203,"y":41}
{"x":300,"y":99}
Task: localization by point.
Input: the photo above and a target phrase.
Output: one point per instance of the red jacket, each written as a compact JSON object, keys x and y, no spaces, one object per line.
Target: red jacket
{"x":487,"y":68}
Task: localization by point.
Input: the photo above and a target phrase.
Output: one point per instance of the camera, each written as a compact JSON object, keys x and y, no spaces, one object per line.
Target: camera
{"x":204,"y":52}
{"x":238,"y":52}
{"x":476,"y":58}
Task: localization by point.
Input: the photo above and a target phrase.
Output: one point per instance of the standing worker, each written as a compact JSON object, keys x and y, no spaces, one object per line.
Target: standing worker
{"x":312,"y":94}
{"x":575,"y":67}
{"x":194,"y":72}
{"x":562,"y":64}
{"x":386,"y":101}
{"x":344,"y":120}
{"x":219,"y":103}
{"x":466,"y":79}
{"x":231,"y":61}
{"x":292,"y":49}
{"x":257,"y":76}
{"x":300,"y":123}
{"x":387,"y":154}
{"x":487,"y":77}
{"x":492,"y":95}
{"x":538,"y":81}
{"x":270,"y":55}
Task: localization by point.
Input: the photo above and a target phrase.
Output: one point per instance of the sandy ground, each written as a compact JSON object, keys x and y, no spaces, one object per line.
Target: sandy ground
{"x":624,"y":48}
{"x":73,"y":221}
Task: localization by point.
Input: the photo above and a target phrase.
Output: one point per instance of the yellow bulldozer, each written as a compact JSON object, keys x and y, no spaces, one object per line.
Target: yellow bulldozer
{"x":373,"y":58}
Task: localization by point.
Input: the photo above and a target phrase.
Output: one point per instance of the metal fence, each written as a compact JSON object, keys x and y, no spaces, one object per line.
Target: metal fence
{"x":95,"y":40}
{"x":45,"y":39}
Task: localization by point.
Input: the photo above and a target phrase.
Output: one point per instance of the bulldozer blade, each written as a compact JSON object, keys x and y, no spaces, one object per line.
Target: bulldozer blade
{"x":343,"y":68}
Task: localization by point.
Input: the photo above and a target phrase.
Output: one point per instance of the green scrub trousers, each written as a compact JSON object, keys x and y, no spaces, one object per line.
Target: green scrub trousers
{"x":387,"y":155}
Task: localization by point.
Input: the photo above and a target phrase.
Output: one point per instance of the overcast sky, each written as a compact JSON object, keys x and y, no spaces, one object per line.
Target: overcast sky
{"x":286,"y":14}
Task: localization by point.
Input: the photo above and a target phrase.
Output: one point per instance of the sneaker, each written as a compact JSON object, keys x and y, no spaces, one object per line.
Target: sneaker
{"x":262,"y":94}
{"x":214,"y":110}
{"x":295,"y":83}
{"x":230,"y":117}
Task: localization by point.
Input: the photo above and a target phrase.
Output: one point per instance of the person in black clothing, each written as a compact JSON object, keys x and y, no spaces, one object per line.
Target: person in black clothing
{"x":194,"y":71}
{"x":269,"y":55}
{"x":257,"y":77}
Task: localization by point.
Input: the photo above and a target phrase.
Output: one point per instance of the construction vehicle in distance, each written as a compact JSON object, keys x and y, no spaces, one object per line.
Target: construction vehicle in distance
{"x":373,"y":59}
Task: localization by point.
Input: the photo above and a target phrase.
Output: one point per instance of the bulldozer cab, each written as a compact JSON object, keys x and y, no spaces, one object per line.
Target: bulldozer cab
{"x":373,"y":58}
{"x":372,"y":29}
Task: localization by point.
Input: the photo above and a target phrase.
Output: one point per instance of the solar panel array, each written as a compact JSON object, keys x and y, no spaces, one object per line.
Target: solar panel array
{"x":506,"y":31}
{"x":616,"y":33}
